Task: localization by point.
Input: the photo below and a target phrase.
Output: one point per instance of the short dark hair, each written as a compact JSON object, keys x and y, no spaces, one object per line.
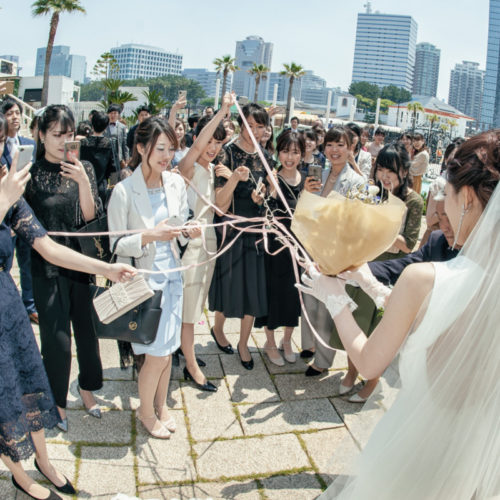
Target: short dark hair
{"x":10,"y":103}
{"x":309,"y":134}
{"x":257,"y":112}
{"x":338,"y":133}
{"x":142,"y":108}
{"x":114,"y":107}
{"x":289,"y":138}
{"x":380,"y":131}
{"x":294,"y":118}
{"x":100,"y":121}
{"x":193,"y":120}
{"x":219,"y":133}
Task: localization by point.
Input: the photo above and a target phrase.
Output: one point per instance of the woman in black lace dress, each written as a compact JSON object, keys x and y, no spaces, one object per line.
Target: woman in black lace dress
{"x":238,"y":288}
{"x":283,"y":303}
{"x":63,"y":196}
{"x":27,"y":406}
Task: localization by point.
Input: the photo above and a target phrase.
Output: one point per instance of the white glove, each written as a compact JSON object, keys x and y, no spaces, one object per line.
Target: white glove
{"x":328,"y":290}
{"x":363,"y":277}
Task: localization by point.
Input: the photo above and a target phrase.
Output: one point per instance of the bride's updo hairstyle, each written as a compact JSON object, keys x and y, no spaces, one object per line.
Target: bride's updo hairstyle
{"x":147,"y":134}
{"x":477,"y":164}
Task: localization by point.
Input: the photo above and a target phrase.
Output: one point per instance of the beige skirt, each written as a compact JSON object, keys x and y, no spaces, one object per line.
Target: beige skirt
{"x":197,"y":279}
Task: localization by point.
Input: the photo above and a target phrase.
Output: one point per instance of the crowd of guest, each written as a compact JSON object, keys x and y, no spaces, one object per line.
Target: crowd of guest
{"x":173,"y":183}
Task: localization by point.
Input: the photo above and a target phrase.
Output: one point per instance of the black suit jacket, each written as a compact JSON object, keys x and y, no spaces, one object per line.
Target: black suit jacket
{"x":435,"y":250}
{"x":6,"y":158}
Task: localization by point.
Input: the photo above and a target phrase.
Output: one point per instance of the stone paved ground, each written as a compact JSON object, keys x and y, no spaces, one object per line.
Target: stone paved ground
{"x":266,"y":434}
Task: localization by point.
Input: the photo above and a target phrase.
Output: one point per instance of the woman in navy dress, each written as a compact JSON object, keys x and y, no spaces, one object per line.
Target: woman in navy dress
{"x":27,"y":405}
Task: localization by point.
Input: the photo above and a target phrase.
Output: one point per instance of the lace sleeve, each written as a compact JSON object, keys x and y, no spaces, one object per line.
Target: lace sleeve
{"x":24,"y":222}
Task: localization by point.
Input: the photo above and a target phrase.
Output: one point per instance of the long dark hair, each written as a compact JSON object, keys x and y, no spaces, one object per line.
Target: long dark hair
{"x":55,"y":113}
{"x":147,"y":134}
{"x":289,"y":138}
{"x":395,"y":158}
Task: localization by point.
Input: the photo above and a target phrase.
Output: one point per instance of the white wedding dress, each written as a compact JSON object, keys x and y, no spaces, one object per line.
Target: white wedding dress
{"x":440,"y":440}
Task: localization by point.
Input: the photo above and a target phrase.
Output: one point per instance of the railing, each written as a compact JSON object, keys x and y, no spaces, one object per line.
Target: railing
{"x":27,"y":116}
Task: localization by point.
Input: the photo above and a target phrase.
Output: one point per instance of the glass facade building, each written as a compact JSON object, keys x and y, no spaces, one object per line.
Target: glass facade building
{"x":62,"y":63}
{"x":466,"y":88}
{"x":384,"y":52}
{"x":207,"y":79}
{"x":143,"y":61}
{"x":426,"y":74}
{"x":490,"y":111}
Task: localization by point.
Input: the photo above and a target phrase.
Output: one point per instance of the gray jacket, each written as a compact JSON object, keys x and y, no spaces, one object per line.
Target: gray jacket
{"x":121,"y":137}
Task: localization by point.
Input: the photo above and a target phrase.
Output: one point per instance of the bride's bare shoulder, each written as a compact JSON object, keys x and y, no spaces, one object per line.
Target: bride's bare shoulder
{"x":419,"y":277}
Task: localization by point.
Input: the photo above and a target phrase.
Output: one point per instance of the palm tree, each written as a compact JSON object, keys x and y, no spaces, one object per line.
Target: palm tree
{"x":113,"y":94}
{"x":292,"y":71}
{"x":432,"y":120}
{"x":414,"y":108}
{"x":260,"y":72}
{"x":452,"y":124}
{"x":54,"y":8}
{"x":226,"y":65}
{"x":156,"y":102}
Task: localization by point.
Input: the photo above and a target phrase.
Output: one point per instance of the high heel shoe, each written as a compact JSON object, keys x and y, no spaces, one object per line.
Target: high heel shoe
{"x":228,"y":349}
{"x":246,"y":364}
{"x":52,"y":496}
{"x":344,"y":389}
{"x":289,"y":357}
{"x":66,"y":488}
{"x":279,"y":361}
{"x":199,"y":361}
{"x":95,"y":411}
{"x":161,"y":433}
{"x":169,"y":424}
{"x":207,"y":386}
{"x":312,"y":372}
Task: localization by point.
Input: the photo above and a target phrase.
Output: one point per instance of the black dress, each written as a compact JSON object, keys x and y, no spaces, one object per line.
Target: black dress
{"x":283,"y":303}
{"x":27,"y":404}
{"x":238,"y":286}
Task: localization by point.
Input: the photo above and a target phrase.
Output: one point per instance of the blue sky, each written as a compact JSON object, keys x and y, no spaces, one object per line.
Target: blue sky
{"x":318,"y":34}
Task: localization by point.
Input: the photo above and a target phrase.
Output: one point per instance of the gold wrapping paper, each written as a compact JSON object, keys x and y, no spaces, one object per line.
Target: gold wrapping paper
{"x":340,"y":233}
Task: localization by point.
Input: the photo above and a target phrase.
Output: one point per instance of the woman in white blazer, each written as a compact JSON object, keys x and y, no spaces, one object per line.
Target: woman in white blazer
{"x":154,"y":199}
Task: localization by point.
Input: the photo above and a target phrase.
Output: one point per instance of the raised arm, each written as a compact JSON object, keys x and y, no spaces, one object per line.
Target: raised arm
{"x":179,"y":104}
{"x":186,"y":165}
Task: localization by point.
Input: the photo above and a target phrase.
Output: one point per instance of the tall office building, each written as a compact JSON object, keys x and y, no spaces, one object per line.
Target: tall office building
{"x":143,"y":61}
{"x":466,"y":88}
{"x":249,"y":51}
{"x":426,"y":75}
{"x":490,"y":110}
{"x":62,"y":63}
{"x":384,"y":52}
{"x":207,"y":79}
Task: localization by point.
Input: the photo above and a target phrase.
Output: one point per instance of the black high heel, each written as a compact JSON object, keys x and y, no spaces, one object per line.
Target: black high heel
{"x":207,"y":386}
{"x":67,"y":488}
{"x":199,"y":361}
{"x":52,"y":496}
{"x":228,"y":349}
{"x":246,"y":364}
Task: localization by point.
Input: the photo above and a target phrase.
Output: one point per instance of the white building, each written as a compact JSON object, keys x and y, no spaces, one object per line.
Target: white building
{"x":399,"y":116}
{"x":62,"y":90}
{"x":143,"y":61}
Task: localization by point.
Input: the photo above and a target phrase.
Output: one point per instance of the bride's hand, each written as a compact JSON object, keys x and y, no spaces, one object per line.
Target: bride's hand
{"x":320,"y":285}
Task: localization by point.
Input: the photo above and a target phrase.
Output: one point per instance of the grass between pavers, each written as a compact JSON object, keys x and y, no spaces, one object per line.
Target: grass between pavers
{"x":191,"y":440}
{"x":311,"y":461}
{"x":133,"y":447}
{"x":260,"y":489}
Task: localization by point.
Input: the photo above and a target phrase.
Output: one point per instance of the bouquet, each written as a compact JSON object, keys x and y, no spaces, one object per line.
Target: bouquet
{"x":343,"y":232}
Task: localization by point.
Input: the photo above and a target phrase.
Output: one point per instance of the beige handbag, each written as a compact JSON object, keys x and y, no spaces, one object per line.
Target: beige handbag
{"x":121,"y":298}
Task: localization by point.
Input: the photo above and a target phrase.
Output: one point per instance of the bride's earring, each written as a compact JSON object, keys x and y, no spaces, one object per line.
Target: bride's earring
{"x":462,"y":215}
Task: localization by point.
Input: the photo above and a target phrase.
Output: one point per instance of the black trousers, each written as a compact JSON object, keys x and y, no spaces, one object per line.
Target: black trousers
{"x":61,"y":303}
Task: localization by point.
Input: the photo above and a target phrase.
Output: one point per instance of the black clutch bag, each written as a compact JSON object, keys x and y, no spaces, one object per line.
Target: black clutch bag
{"x":96,"y":247}
{"x":139,"y":325}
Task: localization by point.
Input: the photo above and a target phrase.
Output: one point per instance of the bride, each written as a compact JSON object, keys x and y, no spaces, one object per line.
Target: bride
{"x":441,"y":438}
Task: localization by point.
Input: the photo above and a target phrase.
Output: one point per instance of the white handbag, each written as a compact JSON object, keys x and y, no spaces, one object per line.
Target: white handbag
{"x":121,"y":298}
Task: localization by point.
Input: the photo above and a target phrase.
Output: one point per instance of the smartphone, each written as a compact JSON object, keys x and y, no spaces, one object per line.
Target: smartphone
{"x":25,"y":155}
{"x":315,"y":171}
{"x":71,"y":150}
{"x":175,"y":221}
{"x":182,"y":94}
